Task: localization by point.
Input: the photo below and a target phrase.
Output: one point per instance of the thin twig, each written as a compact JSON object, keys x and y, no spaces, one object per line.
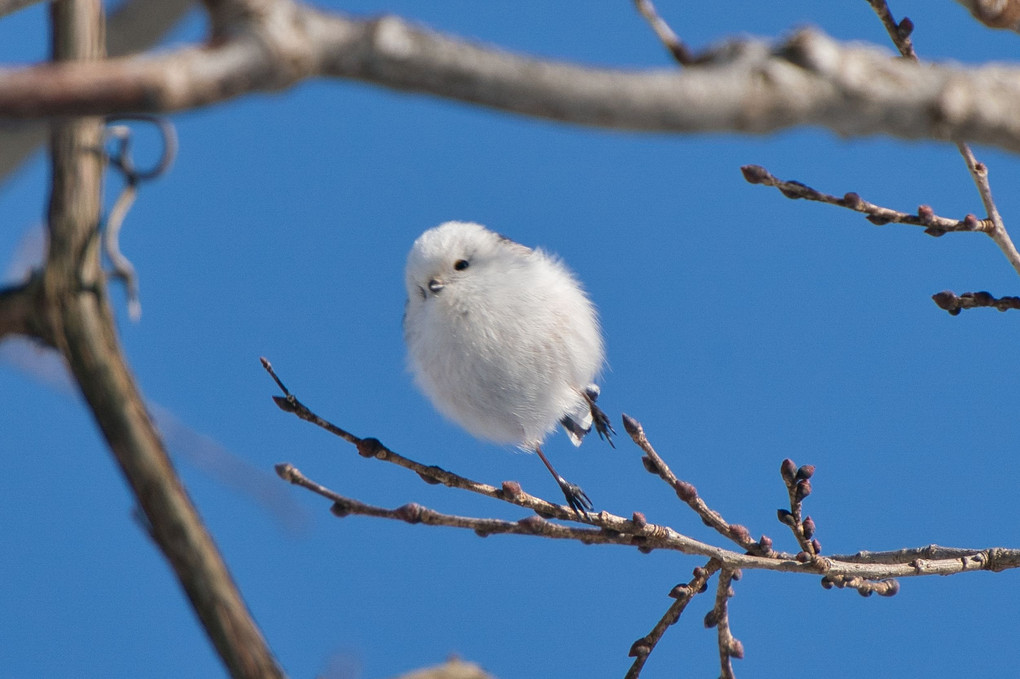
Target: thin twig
{"x":682,"y":593}
{"x":676,"y":47}
{"x":997,"y":231}
{"x":922,"y":558}
{"x":373,"y":448}
{"x":416,"y":513}
{"x":798,"y":487}
{"x":689,"y":494}
{"x":718,"y":617}
{"x":864,"y":587}
{"x":899,"y":33}
{"x":121,"y":267}
{"x":933,"y":224}
{"x":122,"y":160}
{"x":954,"y":303}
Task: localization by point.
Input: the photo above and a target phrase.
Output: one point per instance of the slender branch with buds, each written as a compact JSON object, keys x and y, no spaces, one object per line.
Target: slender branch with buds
{"x":993,"y":225}
{"x":865,"y":572}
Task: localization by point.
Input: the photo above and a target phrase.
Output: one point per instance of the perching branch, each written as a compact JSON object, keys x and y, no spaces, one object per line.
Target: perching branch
{"x":866,"y":572}
{"x":613,"y":529}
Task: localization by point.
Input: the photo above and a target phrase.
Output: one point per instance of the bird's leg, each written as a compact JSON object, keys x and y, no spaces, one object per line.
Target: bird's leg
{"x":576,"y":498}
{"x":598,"y":418}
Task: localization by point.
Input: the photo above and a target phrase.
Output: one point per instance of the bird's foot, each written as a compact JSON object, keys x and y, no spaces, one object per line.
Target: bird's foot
{"x":577,"y":499}
{"x":599,"y":419}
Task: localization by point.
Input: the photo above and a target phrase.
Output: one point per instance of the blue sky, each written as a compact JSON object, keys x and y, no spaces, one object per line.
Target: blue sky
{"x":741,"y":328}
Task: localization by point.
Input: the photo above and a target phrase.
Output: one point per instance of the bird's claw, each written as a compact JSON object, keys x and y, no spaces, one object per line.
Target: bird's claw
{"x":577,"y":499}
{"x":601,"y":423}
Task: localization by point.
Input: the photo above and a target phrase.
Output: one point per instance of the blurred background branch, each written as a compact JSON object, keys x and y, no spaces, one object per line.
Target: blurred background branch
{"x":135,"y":26}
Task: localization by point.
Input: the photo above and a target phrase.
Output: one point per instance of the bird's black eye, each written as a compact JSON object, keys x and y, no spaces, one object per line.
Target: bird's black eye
{"x":461,"y":264}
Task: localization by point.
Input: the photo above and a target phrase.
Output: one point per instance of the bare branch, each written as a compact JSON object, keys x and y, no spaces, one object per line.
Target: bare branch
{"x":718,"y":617}
{"x":613,"y":529}
{"x":415,"y":513}
{"x":11,"y":6}
{"x":635,"y":531}
{"x":122,"y":160}
{"x":689,"y":494}
{"x":900,"y":34}
{"x":676,"y":47}
{"x":451,"y":669}
{"x":747,"y":86}
{"x":867,"y":572}
{"x":995,"y":13}
{"x":994,"y":559}
{"x":997,"y":227}
{"x":864,"y":587}
{"x":899,"y":31}
{"x":933,"y":224}
{"x":954,"y":304}
{"x":133,"y":27}
{"x":84,"y":331}
{"x":798,"y":487}
{"x":682,"y":593}
{"x":22,"y":311}
{"x":876,"y":214}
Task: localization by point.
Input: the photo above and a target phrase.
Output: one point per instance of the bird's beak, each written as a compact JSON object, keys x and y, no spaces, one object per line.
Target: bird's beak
{"x":435,"y":286}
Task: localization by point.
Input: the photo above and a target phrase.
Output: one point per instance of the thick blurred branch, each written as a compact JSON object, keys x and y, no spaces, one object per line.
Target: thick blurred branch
{"x":995,"y":13}
{"x":451,"y":669}
{"x":136,"y":25}
{"x":11,"y":6}
{"x":899,"y":32}
{"x":20,"y":307}
{"x":748,"y":86}
{"x":75,"y":303}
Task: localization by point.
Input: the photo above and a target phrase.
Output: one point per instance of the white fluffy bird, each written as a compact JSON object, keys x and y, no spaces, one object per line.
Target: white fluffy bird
{"x":503,"y":340}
